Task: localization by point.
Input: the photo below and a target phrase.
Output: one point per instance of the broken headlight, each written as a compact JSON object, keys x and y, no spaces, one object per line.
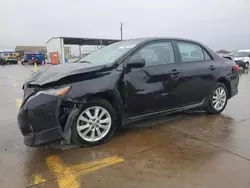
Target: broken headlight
{"x":56,"y":91}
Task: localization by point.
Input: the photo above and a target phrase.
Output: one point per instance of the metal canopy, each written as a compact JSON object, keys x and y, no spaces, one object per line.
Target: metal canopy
{"x":86,"y":41}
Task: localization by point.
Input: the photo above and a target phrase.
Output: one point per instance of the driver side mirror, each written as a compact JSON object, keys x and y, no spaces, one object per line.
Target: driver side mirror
{"x":136,"y":63}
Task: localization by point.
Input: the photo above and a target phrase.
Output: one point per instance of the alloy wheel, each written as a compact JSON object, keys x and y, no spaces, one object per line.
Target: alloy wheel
{"x":219,"y":98}
{"x":94,"y":123}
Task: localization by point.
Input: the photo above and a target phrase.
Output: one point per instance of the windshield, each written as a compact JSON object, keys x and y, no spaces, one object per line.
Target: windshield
{"x":110,"y":53}
{"x":242,"y":54}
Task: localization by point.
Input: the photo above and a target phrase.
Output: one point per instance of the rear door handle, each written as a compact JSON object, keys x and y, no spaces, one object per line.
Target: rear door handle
{"x":175,"y":71}
{"x":212,"y":67}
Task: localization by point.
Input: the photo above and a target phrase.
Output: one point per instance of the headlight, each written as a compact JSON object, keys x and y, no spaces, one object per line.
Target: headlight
{"x":56,"y":92}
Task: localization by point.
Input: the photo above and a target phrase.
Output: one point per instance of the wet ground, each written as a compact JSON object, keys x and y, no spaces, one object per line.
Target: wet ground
{"x":181,"y":151}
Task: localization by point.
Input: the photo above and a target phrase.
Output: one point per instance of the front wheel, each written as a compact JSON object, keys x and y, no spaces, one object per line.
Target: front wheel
{"x":217,"y":99}
{"x":95,"y":124}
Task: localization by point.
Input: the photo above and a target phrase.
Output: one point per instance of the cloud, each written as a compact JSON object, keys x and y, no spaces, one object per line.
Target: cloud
{"x":219,"y":24}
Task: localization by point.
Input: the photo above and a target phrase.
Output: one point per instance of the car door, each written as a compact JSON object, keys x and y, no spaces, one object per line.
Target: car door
{"x":199,"y":72}
{"x":153,"y":87}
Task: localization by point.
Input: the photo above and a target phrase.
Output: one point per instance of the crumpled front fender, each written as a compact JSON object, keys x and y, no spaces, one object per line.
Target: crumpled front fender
{"x":70,"y":121}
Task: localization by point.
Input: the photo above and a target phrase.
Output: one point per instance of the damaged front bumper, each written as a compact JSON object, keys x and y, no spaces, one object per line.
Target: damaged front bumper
{"x":39,"y":120}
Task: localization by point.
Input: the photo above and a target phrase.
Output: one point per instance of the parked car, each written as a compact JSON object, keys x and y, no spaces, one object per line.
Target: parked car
{"x":242,"y":58}
{"x":228,"y":56}
{"x":10,"y":61}
{"x":2,"y":62}
{"x":122,"y":83}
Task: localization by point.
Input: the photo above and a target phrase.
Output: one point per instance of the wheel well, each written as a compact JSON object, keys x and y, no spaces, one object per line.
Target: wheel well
{"x":108,"y":97}
{"x":104,"y":95}
{"x":227,"y":84}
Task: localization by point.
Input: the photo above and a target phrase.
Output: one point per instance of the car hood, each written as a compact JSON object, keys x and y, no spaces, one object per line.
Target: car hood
{"x":56,"y":72}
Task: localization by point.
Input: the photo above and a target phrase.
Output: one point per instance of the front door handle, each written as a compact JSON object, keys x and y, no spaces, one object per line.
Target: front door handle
{"x":212,"y":67}
{"x":175,"y":71}
{"x":139,"y":89}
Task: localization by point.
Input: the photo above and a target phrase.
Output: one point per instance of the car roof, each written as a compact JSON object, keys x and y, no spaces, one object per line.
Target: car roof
{"x":245,"y":50}
{"x":146,"y":39}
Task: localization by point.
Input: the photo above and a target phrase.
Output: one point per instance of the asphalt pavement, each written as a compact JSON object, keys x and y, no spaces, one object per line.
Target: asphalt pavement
{"x":187,"y":150}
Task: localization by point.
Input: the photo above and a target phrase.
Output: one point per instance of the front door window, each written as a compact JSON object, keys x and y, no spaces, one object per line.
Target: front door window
{"x":157,"y":53}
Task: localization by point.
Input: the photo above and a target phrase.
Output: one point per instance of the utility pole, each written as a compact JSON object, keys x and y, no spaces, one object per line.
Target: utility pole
{"x":121,"y":30}
{"x":69,"y":51}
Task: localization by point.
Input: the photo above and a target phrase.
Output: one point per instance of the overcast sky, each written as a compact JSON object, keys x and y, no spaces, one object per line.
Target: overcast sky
{"x":217,"y":23}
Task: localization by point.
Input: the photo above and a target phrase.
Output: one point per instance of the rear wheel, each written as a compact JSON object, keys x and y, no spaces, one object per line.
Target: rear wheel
{"x":217,"y":99}
{"x":96,"y":123}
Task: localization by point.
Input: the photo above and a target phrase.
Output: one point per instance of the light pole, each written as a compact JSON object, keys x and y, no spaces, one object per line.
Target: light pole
{"x":121,"y":28}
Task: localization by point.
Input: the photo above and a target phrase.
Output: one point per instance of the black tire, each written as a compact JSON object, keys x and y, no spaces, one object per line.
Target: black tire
{"x":210,"y":109}
{"x":77,"y":139}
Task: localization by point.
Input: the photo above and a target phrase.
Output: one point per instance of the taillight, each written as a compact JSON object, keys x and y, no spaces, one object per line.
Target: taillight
{"x":236,"y":68}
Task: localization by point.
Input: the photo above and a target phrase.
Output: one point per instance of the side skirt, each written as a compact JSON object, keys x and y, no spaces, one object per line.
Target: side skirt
{"x":127,"y":120}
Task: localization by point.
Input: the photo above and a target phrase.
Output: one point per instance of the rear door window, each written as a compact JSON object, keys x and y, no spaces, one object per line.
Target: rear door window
{"x":191,"y":52}
{"x":207,"y":56}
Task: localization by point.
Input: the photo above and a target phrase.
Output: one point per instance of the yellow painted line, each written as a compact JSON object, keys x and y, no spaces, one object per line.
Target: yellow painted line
{"x":38,"y":179}
{"x":96,"y":165}
{"x":95,"y":168}
{"x":65,"y":176}
{"x":19,"y":103}
{"x":35,"y":67}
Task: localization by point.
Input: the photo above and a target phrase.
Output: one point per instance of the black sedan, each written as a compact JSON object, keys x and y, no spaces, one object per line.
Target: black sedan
{"x":127,"y":81}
